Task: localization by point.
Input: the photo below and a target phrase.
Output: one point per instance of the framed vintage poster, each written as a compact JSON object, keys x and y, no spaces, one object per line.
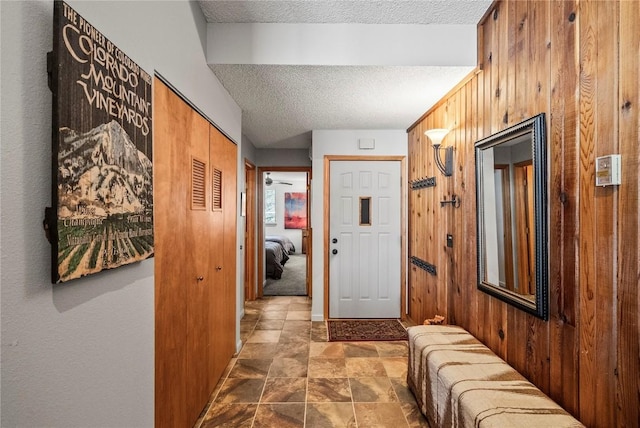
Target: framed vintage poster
{"x":102,"y":169}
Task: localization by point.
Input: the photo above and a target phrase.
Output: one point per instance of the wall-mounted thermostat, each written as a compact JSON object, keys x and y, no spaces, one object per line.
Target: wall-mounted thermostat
{"x":608,"y":170}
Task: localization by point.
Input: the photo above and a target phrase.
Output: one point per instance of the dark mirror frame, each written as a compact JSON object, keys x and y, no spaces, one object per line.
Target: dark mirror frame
{"x":535,"y":129}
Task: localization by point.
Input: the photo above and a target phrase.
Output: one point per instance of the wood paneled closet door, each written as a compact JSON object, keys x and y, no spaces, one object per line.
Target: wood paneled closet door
{"x":190,"y":265}
{"x":223,"y":318}
{"x":223,"y":244}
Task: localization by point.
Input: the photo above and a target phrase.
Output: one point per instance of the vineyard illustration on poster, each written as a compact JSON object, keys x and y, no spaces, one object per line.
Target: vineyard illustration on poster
{"x":102,"y":166}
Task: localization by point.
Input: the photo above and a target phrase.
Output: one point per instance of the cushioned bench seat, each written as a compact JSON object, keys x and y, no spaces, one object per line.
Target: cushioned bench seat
{"x":459,"y":382}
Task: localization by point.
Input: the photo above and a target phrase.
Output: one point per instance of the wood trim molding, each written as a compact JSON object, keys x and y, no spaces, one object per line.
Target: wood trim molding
{"x":260,"y":218}
{"x":404,"y":192}
{"x":325,"y":231}
{"x":250,"y":231}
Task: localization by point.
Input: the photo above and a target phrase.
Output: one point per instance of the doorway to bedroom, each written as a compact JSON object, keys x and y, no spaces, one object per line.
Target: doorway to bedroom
{"x":284,"y":238}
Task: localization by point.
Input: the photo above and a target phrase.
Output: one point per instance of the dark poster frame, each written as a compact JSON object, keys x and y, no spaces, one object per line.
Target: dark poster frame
{"x":102,"y":155}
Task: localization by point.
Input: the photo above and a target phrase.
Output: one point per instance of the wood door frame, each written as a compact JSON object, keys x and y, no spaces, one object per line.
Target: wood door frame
{"x":507,"y":225}
{"x":250,"y":231}
{"x":525,"y":238}
{"x":403,"y":222}
{"x":259,"y":180}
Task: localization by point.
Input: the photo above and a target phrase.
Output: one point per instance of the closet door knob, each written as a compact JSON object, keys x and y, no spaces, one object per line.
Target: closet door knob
{"x":200,"y":278}
{"x":218,"y":267}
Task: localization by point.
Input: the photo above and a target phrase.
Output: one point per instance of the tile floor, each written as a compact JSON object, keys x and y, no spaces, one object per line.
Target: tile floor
{"x":288,"y":375}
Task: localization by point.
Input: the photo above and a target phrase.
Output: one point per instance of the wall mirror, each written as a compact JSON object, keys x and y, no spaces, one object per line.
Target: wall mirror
{"x":511,"y":174}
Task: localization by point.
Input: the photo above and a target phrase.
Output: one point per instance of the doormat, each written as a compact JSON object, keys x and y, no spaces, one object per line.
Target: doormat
{"x":365,"y":330}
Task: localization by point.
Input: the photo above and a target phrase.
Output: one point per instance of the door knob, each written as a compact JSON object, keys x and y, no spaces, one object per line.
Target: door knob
{"x":218,"y":267}
{"x":200,"y":278}
{"x":334,"y":240}
{"x":334,"y":251}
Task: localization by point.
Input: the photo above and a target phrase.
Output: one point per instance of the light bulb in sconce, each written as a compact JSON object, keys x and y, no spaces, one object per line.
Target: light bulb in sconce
{"x":436,"y":136}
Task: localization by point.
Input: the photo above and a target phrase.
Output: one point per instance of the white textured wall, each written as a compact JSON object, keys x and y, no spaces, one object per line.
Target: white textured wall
{"x":80,"y":354}
{"x":333,"y":142}
{"x":342,"y":44}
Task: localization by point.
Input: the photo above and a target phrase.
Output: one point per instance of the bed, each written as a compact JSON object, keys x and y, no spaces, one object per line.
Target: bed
{"x":282,"y":240}
{"x":275,"y":258}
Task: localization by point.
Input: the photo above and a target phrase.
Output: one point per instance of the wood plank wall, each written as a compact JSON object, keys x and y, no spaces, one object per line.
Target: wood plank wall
{"x":577,"y":61}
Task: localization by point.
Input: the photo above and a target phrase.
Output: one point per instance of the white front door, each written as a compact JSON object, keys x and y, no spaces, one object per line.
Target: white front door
{"x":364,"y":239}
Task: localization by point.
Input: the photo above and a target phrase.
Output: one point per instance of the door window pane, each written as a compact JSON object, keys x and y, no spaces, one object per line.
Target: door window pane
{"x":365,"y":211}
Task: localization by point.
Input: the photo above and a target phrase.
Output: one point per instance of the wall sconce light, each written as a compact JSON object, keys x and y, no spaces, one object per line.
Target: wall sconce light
{"x":436,"y":136}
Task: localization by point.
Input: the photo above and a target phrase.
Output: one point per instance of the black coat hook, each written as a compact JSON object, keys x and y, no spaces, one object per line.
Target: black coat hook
{"x":455,"y":201}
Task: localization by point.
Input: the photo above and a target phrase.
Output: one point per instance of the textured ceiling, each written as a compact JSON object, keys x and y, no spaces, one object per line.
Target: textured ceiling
{"x":282,"y":104}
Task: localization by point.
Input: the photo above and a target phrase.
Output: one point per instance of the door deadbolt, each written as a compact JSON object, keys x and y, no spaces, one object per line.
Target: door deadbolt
{"x":334,"y":240}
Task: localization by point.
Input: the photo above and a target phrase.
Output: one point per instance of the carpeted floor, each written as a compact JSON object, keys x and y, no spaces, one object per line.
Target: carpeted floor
{"x":365,"y":330}
{"x":293,"y":280}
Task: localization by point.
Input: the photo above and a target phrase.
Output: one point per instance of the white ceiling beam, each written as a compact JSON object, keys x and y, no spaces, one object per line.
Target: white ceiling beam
{"x":342,"y":44}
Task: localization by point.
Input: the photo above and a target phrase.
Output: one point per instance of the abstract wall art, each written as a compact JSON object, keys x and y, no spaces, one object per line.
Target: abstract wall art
{"x":295,"y":210}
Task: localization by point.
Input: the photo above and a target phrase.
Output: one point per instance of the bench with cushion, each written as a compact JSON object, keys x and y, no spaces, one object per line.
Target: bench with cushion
{"x":459,"y":382}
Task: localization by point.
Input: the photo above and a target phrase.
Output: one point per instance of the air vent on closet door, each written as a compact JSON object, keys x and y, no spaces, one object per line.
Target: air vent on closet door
{"x":217,"y":189}
{"x":198,"y":184}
